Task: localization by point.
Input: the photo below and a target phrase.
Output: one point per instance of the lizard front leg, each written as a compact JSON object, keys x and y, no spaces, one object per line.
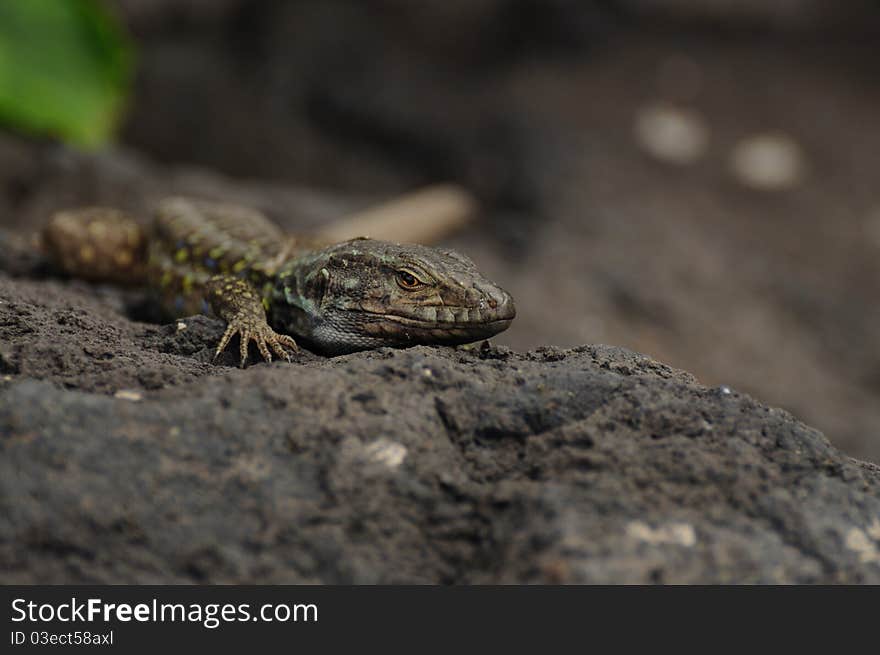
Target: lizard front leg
{"x":237,"y":302}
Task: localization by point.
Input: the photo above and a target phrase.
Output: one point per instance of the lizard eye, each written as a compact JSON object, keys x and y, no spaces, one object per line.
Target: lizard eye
{"x":407,"y":280}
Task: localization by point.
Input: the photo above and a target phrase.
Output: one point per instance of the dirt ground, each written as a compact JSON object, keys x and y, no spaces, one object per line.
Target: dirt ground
{"x":533,"y":106}
{"x":128,"y":457}
{"x":775,"y":293}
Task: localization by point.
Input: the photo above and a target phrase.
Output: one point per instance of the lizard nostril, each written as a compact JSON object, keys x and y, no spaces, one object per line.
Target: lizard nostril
{"x":493,"y":303}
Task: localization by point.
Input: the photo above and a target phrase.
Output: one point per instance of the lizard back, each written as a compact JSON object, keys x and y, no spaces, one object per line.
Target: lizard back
{"x":187,"y":243}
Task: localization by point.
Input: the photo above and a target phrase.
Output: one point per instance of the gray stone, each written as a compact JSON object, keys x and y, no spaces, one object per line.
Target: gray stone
{"x":428,"y":465}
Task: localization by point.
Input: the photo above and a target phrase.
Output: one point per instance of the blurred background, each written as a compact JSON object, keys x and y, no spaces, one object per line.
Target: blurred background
{"x":698,"y":180}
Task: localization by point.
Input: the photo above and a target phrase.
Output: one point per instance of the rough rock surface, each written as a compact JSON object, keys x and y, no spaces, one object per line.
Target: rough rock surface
{"x":771,"y":292}
{"x":125,"y":456}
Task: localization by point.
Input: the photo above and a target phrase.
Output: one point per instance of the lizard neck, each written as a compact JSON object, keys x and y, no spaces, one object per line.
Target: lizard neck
{"x":324,"y":306}
{"x":295,"y":295}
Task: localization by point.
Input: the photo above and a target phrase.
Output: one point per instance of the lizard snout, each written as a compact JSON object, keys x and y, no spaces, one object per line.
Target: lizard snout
{"x":502,"y":304}
{"x":495,"y":304}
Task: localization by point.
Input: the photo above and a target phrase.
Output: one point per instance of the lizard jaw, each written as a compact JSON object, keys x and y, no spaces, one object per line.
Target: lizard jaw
{"x":355,"y":331}
{"x":444,"y":324}
{"x":477,"y":329}
{"x":399,"y":331}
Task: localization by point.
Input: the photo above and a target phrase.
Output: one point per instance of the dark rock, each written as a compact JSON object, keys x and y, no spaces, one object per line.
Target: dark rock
{"x":426,"y":465}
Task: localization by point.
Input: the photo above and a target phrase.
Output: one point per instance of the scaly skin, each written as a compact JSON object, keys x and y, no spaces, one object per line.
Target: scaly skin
{"x":355,"y":295}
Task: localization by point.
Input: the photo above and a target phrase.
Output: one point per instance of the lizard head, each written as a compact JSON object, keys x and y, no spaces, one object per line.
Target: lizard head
{"x":364,"y":293}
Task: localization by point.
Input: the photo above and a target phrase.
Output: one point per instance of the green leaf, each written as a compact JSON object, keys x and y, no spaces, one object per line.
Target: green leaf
{"x":65,"y":69}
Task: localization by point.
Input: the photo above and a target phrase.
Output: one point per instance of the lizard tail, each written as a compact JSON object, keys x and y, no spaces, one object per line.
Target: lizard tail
{"x":98,"y":244}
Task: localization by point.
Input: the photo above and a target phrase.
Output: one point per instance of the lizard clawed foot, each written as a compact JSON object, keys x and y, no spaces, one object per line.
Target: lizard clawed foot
{"x":264,"y":336}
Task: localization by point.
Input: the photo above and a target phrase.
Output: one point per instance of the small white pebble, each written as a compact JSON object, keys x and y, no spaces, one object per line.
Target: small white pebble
{"x":724,"y":389}
{"x":181,"y":326}
{"x":671,"y":134}
{"x":768,"y":162}
{"x":858,"y":541}
{"x":680,"y":534}
{"x":127,"y":394}
{"x":428,"y":373}
{"x":387,"y":452}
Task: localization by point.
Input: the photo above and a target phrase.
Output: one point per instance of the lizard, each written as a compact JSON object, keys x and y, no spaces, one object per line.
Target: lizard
{"x":275,"y":289}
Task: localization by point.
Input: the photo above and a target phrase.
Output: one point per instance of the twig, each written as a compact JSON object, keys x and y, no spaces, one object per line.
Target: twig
{"x":424,"y":216}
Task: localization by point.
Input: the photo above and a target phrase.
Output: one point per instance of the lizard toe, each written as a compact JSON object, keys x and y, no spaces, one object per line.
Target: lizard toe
{"x":289,"y":342}
{"x":244,"y":341}
{"x":261,"y":345}
{"x":267,"y":341}
{"x":224,"y":340}
{"x":278,"y":343}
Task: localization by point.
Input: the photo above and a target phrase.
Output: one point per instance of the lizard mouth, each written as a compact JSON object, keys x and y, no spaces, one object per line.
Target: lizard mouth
{"x":417,"y":322}
{"x":407,"y":329}
{"x":338,"y":331}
